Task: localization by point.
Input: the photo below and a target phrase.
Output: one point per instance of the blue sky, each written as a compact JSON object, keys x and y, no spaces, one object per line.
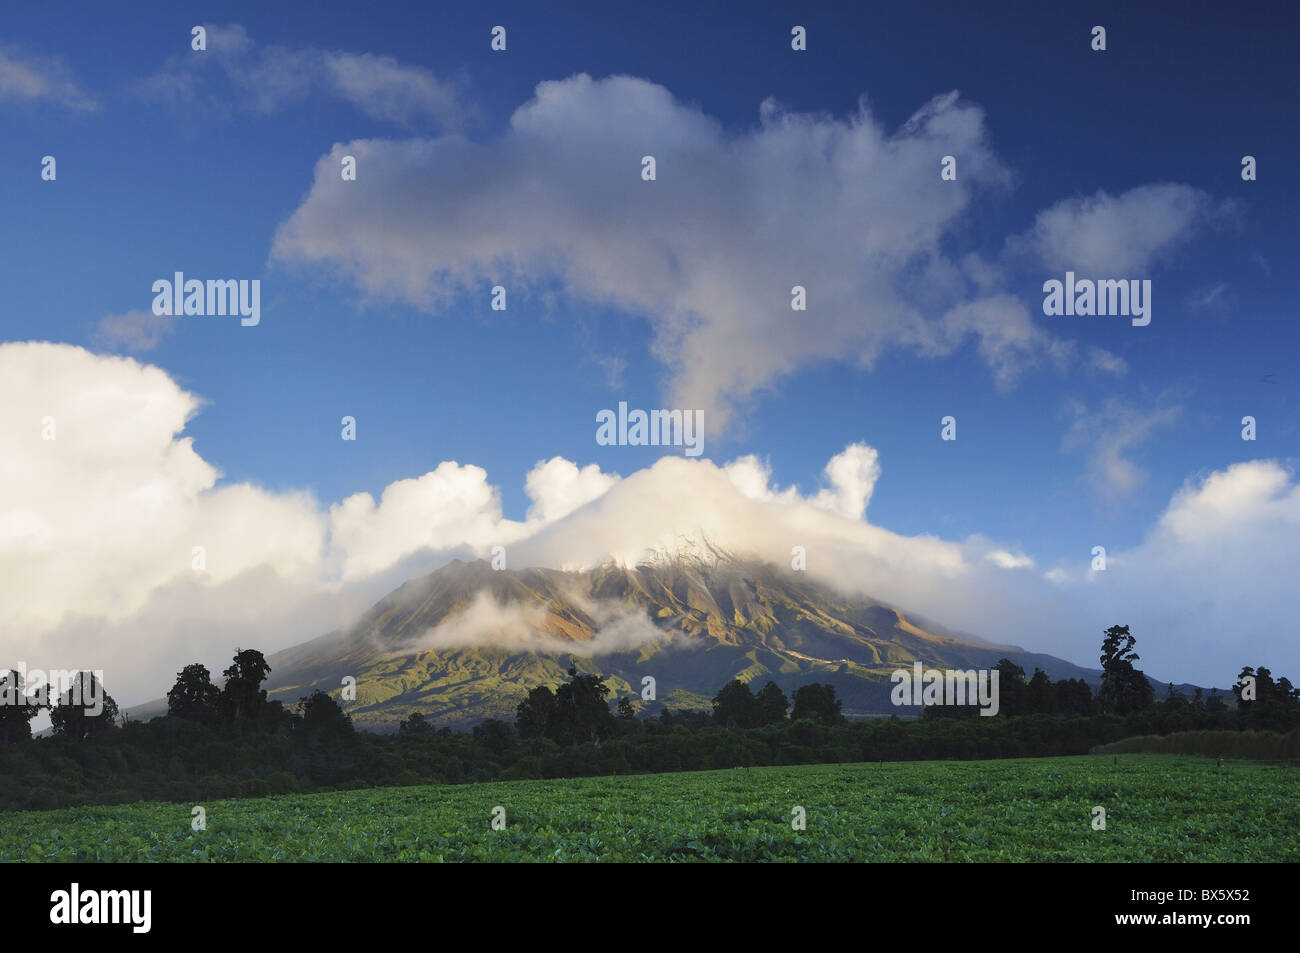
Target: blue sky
{"x":1059,"y":457}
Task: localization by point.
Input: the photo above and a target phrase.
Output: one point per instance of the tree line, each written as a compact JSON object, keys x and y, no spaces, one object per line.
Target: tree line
{"x":232,"y":741}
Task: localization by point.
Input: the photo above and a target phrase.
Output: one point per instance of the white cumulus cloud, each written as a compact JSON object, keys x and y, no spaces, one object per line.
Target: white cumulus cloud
{"x":98,"y":527}
{"x":709,"y":251}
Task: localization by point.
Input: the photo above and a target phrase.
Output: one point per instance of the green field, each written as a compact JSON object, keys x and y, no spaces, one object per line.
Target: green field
{"x":1158,"y":808}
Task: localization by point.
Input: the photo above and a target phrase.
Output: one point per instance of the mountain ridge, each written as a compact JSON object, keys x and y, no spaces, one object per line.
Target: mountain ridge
{"x":466,"y":642}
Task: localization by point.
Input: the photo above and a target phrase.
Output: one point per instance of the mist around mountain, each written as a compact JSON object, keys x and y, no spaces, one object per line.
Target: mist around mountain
{"x":467,"y":642}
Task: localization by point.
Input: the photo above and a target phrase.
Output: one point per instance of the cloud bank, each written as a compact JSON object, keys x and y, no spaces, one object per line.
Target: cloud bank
{"x":103,"y":500}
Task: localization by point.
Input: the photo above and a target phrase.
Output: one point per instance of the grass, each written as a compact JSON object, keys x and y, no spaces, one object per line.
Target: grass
{"x":1158,"y":808}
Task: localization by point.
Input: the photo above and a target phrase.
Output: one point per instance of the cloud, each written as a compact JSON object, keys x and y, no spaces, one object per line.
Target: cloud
{"x":522,"y":627}
{"x":134,"y":331}
{"x":266,"y":78}
{"x":709,"y":252}
{"x":450,"y":506}
{"x":851,"y":473}
{"x":558,"y":487}
{"x":98,"y":528}
{"x":1109,"y":435}
{"x":1007,"y":560}
{"x":1009,"y":340}
{"x":1119,"y":236}
{"x":27,"y":77}
{"x":1215,"y":297}
{"x":98,"y":521}
{"x":1207,"y":587}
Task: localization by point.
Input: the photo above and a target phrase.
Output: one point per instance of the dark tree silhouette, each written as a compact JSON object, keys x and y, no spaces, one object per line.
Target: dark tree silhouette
{"x":322,"y":718}
{"x":1040,"y":694}
{"x":581,"y":711}
{"x":818,"y":703}
{"x":773,"y":706}
{"x":1013,"y":689}
{"x":1124,"y":689}
{"x":415,"y":725}
{"x":85,"y":711}
{"x":194,"y":696}
{"x":242,"y":697}
{"x":535,"y":715}
{"x":16,"y":712}
{"x":735,"y":705}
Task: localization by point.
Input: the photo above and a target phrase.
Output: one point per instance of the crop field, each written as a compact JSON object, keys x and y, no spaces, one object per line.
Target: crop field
{"x":1158,"y":808}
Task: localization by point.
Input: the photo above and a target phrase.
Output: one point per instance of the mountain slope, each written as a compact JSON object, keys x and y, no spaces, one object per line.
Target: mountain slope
{"x":466,"y":643}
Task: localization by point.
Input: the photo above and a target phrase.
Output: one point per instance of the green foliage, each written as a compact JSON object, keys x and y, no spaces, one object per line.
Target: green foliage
{"x":1124,"y":689}
{"x":736,"y":705}
{"x":415,"y":725}
{"x":574,"y":713}
{"x":772,"y":705}
{"x":1159,"y":809}
{"x":536,"y":713}
{"x":71,"y":716}
{"x":564,"y":733}
{"x":194,"y":696}
{"x":16,"y":713}
{"x":1274,"y":704}
{"x":1249,"y":745}
{"x":323,"y":718}
{"x":242,"y":696}
{"x":817,"y":703}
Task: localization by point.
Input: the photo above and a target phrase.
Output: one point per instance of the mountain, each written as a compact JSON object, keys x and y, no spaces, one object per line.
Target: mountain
{"x":467,"y":642}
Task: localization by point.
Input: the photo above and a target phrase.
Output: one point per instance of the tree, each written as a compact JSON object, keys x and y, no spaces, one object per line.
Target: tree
{"x":1013,"y":689}
{"x":1274,"y":704}
{"x":772,"y":705}
{"x":242,"y":697}
{"x":1286,"y":692}
{"x":1040,"y":696}
{"x":16,"y":712}
{"x":1073,"y":697}
{"x":497,"y":736}
{"x":322,"y":717}
{"x":576,"y":711}
{"x":736,"y":705}
{"x":625,"y":710}
{"x":581,"y":711}
{"x":415,"y":725}
{"x":85,"y":711}
{"x":1175,"y":700}
{"x":1244,"y":677}
{"x":1124,"y":689}
{"x":535,"y":715}
{"x":818,"y":703}
{"x":194,"y":696}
